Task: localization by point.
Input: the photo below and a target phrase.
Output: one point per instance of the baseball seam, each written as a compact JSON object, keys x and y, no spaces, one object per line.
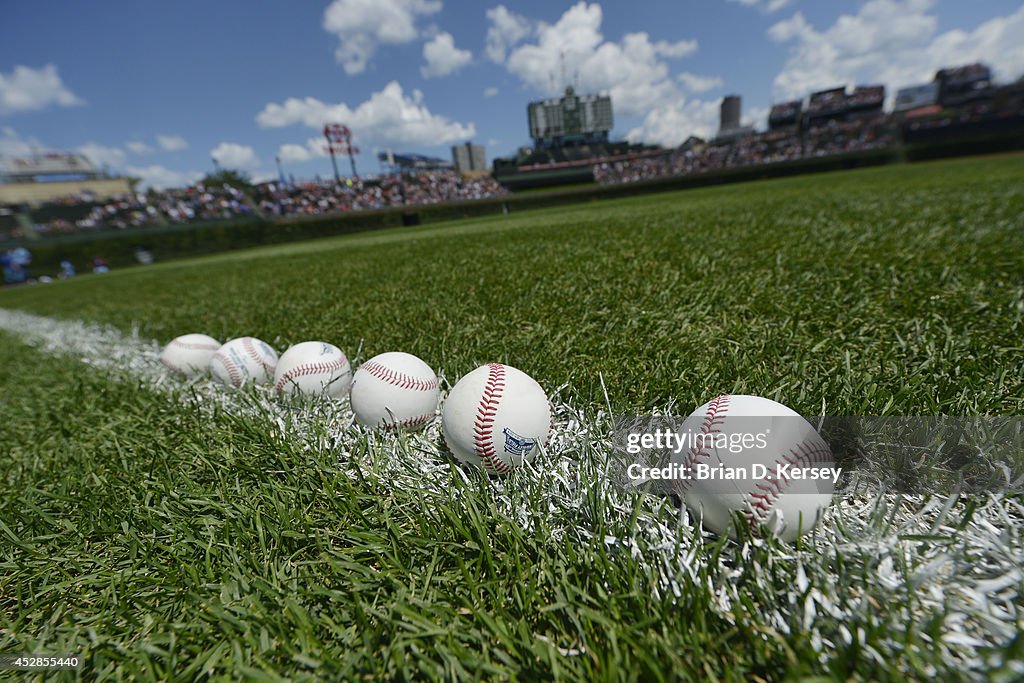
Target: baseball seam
{"x":171,"y":366}
{"x":551,"y":420}
{"x":715,"y":416}
{"x":398,"y":379}
{"x":309,"y":369}
{"x":413,"y":422}
{"x":483,"y":426}
{"x":250,"y":349}
{"x":233,"y":373}
{"x":770,"y":488}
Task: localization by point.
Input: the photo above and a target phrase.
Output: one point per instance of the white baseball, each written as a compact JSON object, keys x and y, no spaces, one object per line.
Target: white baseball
{"x":243,"y":360}
{"x":394,"y":389}
{"x":313,"y":368}
{"x":189,"y":354}
{"x":763,"y":435}
{"x":496,"y":417}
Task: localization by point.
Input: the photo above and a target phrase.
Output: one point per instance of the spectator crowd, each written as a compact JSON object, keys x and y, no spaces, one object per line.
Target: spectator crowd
{"x":834,"y":137}
{"x":825,"y":135}
{"x":266,"y":200}
{"x":356,"y":194}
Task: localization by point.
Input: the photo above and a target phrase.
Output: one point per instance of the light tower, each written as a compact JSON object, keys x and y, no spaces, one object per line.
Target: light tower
{"x":339,"y":139}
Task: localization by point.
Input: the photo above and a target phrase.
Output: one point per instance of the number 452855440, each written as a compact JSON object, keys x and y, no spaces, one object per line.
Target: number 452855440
{"x":35,"y":662}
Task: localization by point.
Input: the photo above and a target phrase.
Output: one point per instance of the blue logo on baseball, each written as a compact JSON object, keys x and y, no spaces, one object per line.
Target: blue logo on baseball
{"x":516,"y":444}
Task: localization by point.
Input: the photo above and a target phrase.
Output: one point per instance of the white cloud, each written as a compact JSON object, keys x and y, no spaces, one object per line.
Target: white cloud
{"x":171,"y":143}
{"x":361,"y":25}
{"x":443,"y":57}
{"x":894,"y":42}
{"x":684,"y":48}
{"x":698,"y":83}
{"x":28,"y":89}
{"x":292,"y":153}
{"x":102,"y":155}
{"x":756,"y":117}
{"x":506,"y":31}
{"x":787,"y":29}
{"x":234,"y":156}
{"x":490,"y":92}
{"x":13,"y":145}
{"x":631,"y":71}
{"x":388,"y":118}
{"x":672,"y":123}
{"x":138,"y":147}
{"x":161,"y":177}
{"x":264,"y":175}
{"x":766,"y":6}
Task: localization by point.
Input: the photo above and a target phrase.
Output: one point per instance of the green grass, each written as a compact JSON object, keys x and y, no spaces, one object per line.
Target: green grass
{"x":168,"y":530}
{"x":889,"y":290}
{"x":180,"y":531}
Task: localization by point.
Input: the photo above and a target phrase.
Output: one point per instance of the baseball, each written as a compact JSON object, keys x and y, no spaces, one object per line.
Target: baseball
{"x":496,"y":417}
{"x":394,"y":390}
{"x":759,"y":458}
{"x":243,"y":360}
{"x":189,"y":354}
{"x":313,"y":368}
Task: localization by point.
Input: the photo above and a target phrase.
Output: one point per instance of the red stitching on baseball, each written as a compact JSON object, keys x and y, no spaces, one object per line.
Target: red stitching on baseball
{"x":483,"y":427}
{"x":806,"y":453}
{"x":409,"y":422}
{"x":310,"y":369}
{"x":233,"y":374}
{"x":194,"y":346}
{"x":250,"y":348}
{"x":717,"y":408}
{"x":171,"y":366}
{"x":399,"y":379}
{"x":551,"y":420}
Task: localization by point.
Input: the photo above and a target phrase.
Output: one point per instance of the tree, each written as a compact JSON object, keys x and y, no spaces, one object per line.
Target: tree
{"x":228,"y":176}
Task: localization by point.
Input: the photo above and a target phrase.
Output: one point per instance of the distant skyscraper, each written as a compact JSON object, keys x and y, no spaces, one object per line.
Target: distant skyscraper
{"x":730,"y":115}
{"x":469,"y":157}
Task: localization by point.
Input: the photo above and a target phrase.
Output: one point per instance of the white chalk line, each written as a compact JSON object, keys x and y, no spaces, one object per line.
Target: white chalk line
{"x":973,"y":576}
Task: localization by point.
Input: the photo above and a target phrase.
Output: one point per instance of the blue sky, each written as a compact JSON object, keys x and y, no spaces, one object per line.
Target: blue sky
{"x":157,"y":89}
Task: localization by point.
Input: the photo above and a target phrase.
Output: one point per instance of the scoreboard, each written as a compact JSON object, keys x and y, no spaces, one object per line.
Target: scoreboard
{"x":570,"y":118}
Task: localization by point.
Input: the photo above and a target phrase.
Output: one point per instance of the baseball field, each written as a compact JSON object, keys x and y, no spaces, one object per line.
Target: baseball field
{"x":164,"y":529}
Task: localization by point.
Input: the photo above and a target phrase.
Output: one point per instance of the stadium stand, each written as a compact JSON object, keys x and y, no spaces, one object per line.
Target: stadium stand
{"x":961,"y":108}
{"x":47,"y":176}
{"x":826,"y":104}
{"x":208,"y":204}
{"x":785,"y":115}
{"x":964,"y":84}
{"x":277,"y":199}
{"x":866,"y":100}
{"x":961,"y":104}
{"x":826,"y":137}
